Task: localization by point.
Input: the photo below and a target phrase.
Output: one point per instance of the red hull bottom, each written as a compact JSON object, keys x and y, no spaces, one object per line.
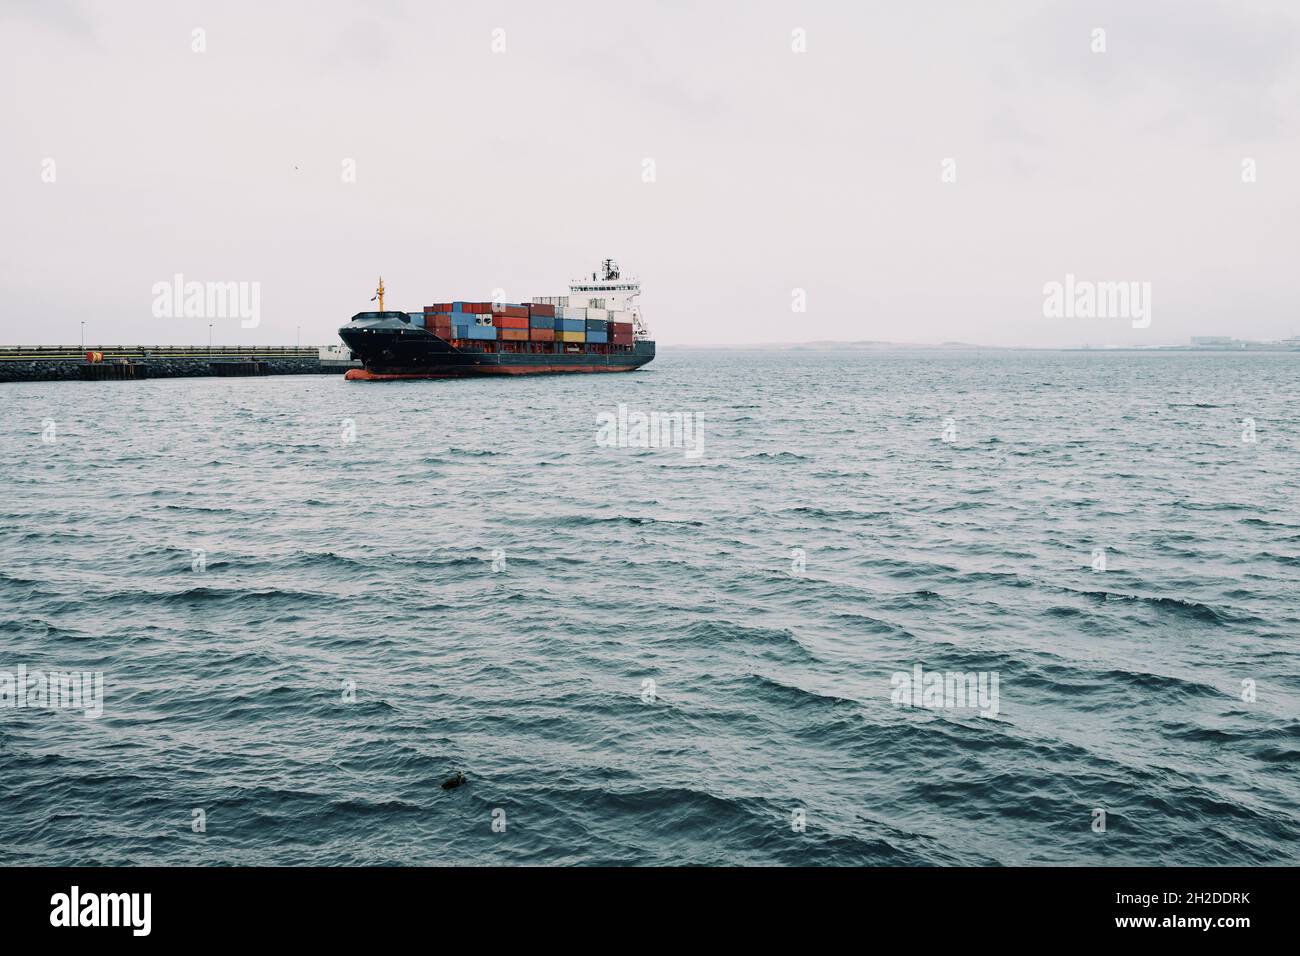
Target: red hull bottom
{"x":365,"y":375}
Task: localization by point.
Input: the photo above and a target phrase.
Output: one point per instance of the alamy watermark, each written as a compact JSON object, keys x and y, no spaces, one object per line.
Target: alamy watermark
{"x":53,"y":690}
{"x":179,"y":299}
{"x":944,"y":690}
{"x":631,"y":429}
{"x":1085,"y":299}
{"x":75,"y":908}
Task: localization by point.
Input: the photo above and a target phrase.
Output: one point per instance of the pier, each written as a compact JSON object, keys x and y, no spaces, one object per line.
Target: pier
{"x":43,"y":363}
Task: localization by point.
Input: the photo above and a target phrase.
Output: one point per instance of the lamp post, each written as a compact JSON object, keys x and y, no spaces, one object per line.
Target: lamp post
{"x":83,"y":335}
{"x":209,"y":338}
{"x":298,"y":339}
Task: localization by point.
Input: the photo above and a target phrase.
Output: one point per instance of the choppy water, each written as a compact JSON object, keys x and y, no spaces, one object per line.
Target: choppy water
{"x":327,"y":562}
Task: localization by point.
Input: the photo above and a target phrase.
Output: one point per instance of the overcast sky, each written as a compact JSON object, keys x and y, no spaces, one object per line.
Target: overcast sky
{"x":774,"y":170}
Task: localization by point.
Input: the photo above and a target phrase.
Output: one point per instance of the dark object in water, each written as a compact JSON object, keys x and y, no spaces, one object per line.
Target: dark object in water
{"x":451,"y":783}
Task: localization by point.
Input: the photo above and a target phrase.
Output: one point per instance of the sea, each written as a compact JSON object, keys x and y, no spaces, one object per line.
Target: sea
{"x":743,"y":607}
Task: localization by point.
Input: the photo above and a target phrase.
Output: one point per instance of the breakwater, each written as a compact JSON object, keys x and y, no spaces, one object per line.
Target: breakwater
{"x":99,"y":363}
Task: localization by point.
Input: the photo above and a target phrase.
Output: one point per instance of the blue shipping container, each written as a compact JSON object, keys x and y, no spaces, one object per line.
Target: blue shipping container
{"x":417,"y":319}
{"x":458,"y":307}
{"x":570,"y":325}
{"x":541,"y":322}
{"x":479,"y":332}
{"x":598,"y":337}
{"x":597,"y":325}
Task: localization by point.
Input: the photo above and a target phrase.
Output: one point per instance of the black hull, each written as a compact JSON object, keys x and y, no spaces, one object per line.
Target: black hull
{"x":389,"y":348}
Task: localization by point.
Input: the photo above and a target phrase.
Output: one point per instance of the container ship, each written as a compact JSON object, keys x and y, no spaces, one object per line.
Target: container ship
{"x":597,"y":327}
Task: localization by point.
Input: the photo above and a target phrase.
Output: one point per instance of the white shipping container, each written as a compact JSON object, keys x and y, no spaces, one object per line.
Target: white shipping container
{"x":620,"y":317}
{"x":601,"y":314}
{"x":569,"y":312}
{"x":577,"y":301}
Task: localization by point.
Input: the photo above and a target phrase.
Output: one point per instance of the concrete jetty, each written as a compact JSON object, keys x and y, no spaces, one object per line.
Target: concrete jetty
{"x":134,"y":362}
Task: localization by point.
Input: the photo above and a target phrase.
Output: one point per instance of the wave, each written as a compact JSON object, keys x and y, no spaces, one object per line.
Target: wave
{"x":585,"y":520}
{"x":824,"y":513}
{"x":791,"y":695}
{"x":783,"y":457}
{"x":1173,"y":607}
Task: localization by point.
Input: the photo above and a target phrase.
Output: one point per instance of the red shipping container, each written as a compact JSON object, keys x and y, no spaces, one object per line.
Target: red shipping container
{"x":617,"y":327}
{"x":513,"y":310}
{"x":510,"y":321}
{"x":514,"y":335}
{"x":544,"y":310}
{"x":620,"y":340}
{"x":542,"y":335}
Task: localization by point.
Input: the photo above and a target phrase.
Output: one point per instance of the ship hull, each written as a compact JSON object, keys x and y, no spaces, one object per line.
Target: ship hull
{"x":390,"y":350}
{"x":366,"y":375}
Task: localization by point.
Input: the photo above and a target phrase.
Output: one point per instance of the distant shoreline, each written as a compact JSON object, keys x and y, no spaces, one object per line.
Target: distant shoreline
{"x":968,"y":347}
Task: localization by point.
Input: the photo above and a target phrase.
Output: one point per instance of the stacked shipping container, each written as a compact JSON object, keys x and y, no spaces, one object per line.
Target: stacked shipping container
{"x":565,"y":319}
{"x":541,"y":322}
{"x":512,"y":320}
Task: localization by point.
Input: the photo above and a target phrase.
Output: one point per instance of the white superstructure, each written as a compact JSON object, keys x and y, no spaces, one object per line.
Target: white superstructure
{"x":611,"y":291}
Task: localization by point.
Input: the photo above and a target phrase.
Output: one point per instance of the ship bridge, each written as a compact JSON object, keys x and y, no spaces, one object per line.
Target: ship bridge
{"x":609,"y":284}
{"x":608,"y":281}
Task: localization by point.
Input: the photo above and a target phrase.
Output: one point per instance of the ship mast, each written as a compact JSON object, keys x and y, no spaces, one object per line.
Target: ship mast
{"x":379,"y":294}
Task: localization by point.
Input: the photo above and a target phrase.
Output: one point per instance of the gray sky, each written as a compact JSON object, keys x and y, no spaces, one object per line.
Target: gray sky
{"x":775,"y":170}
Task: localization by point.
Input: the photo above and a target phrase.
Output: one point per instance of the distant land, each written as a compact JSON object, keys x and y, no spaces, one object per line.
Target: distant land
{"x":1198,"y":344}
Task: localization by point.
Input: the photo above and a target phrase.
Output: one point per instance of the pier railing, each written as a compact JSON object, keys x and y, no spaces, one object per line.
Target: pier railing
{"x":66,"y":353}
